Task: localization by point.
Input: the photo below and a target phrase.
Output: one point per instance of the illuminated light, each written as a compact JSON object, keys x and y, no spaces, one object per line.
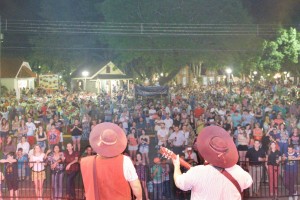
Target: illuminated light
{"x":228,"y":70}
{"x":85,"y":73}
{"x":255,"y":72}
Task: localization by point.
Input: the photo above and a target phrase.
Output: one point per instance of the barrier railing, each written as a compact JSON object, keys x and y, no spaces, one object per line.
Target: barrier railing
{"x":268,"y":182}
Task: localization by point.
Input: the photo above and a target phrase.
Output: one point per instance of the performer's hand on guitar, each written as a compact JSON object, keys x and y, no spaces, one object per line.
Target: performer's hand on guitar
{"x":176,"y":162}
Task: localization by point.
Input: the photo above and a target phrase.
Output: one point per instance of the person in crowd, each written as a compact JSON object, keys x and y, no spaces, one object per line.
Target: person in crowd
{"x":257,"y":132}
{"x":295,"y":140}
{"x":132,"y":144}
{"x":11,"y":175}
{"x":142,"y":171}
{"x":53,"y":136}
{"x":22,"y":131}
{"x":273,"y":159}
{"x":190,"y":156}
{"x":177,"y":140}
{"x":144,"y":142}
{"x":59,"y":125}
{"x":166,"y":192}
{"x":236,"y":119}
{"x":209,"y":181}
{"x":71,"y":158}
{"x":168,"y":121}
{"x":55,"y":160}
{"x":15,"y":125}
{"x":156,"y":175}
{"x":24,"y":145}
{"x":187,"y":135}
{"x":94,"y":123}
{"x":124,"y":119}
{"x":291,"y":159}
{"x":9,"y":146}
{"x":243,"y":140}
{"x":30,"y":131}
{"x":109,"y":141}
{"x":162,"y":135}
{"x":86,"y":127}
{"x":283,"y":139}
{"x":38,"y":175}
{"x":1,"y":179}
{"x":88,"y":151}
{"x":76,"y":133}
{"x":4,"y":131}
{"x":255,"y":157}
{"x":41,"y":138}
{"x":22,"y":162}
{"x":49,"y":125}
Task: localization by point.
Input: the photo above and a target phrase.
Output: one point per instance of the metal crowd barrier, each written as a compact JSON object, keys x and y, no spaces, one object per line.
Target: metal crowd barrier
{"x":267,"y":183}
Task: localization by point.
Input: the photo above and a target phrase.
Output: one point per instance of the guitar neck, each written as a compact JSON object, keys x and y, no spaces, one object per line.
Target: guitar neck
{"x":184,"y":163}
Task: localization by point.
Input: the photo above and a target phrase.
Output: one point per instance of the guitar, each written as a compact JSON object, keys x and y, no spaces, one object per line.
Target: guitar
{"x":168,"y":154}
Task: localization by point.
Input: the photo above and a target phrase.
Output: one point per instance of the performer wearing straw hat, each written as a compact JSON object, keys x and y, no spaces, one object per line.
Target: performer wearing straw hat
{"x":221,"y":178}
{"x":109,"y":174}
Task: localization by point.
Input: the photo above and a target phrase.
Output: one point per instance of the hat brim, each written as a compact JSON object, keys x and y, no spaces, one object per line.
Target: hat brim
{"x":228,"y":159}
{"x":108,"y":150}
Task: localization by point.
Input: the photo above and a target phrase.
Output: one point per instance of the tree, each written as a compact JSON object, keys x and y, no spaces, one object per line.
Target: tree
{"x":61,"y":44}
{"x":281,"y":52}
{"x":151,"y":37}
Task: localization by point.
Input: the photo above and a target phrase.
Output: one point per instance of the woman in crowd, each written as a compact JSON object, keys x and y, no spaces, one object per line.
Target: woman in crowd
{"x":38,"y":175}
{"x":55,"y":160}
{"x":15,"y":125}
{"x":144,"y":142}
{"x":22,"y":130}
{"x":48,"y":127}
{"x":88,"y":151}
{"x":86,"y":127}
{"x":272,"y":164}
{"x":257,"y":132}
{"x":283,"y":139}
{"x":72,"y":167}
{"x":76,"y":133}
{"x":243,"y":140}
{"x":142,"y":173}
{"x":132,"y":144}
{"x":8,"y":146}
{"x":4,"y":129}
{"x":41,"y":138}
{"x":295,"y":140}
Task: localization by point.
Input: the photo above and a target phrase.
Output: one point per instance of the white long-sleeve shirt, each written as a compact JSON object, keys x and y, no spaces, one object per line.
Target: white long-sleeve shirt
{"x":25,"y":146}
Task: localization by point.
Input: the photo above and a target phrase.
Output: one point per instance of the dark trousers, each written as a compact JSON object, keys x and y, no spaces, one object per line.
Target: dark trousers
{"x":57,"y":181}
{"x":290,"y":180}
{"x":71,"y":184}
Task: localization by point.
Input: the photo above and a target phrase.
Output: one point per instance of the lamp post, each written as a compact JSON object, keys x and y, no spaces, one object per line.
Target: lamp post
{"x":85,"y":74}
{"x":229,"y":71}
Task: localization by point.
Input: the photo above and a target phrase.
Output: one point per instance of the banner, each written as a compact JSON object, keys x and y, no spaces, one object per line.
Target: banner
{"x":48,"y":81}
{"x":151,"y":90}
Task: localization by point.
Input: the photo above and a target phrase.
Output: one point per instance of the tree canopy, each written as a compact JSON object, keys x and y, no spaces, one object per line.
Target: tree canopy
{"x":162,"y":36}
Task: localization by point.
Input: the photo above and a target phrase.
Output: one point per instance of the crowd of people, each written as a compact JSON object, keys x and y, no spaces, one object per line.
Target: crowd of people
{"x":262,"y":118}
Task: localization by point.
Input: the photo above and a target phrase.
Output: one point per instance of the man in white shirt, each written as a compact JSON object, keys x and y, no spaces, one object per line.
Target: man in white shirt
{"x":168,"y":121}
{"x":24,"y":145}
{"x":162,"y":135}
{"x":30,"y":133}
{"x":177,"y":140}
{"x":211,"y":181}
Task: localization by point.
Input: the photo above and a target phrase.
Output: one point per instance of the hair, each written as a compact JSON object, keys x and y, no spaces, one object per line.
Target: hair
{"x":12,"y":154}
{"x":20,"y":149}
{"x":56,"y":145}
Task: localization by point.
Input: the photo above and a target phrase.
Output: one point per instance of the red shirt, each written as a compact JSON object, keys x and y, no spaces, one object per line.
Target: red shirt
{"x":70,"y":158}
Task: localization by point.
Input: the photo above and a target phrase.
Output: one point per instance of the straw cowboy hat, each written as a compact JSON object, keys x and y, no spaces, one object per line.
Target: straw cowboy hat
{"x":108,"y":139}
{"x":217,"y":147}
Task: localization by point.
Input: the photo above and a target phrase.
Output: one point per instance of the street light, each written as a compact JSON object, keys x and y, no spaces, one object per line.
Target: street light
{"x":229,"y":71}
{"x":85,"y":74}
{"x":255,"y":72}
